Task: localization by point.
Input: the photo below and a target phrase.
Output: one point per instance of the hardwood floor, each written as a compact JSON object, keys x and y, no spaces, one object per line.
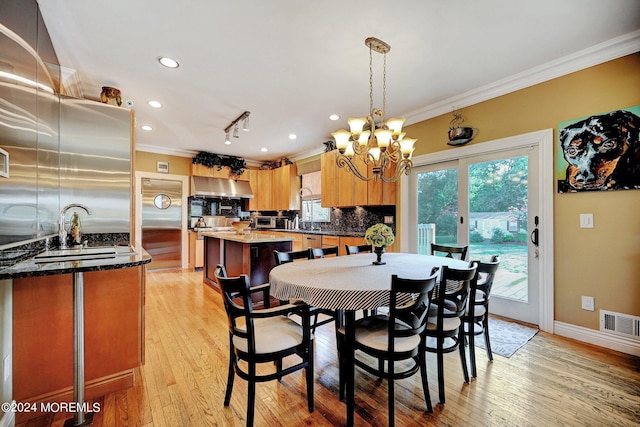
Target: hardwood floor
{"x":551,"y":381}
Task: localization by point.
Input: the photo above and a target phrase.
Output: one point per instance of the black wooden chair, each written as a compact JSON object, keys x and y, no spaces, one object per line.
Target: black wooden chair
{"x":449,"y":251}
{"x":263,"y":336}
{"x":477,"y":316}
{"x":323,"y":252}
{"x":307,"y":254}
{"x":446,"y":318}
{"x":396,"y":337}
{"x":351,"y":249}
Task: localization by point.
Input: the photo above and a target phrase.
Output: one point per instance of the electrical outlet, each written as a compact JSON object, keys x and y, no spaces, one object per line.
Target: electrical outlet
{"x":361,"y":222}
{"x":388,"y":219}
{"x":588,"y":303}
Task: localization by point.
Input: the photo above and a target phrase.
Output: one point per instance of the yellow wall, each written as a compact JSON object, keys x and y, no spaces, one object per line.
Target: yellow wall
{"x":603,"y":262}
{"x":147,"y":162}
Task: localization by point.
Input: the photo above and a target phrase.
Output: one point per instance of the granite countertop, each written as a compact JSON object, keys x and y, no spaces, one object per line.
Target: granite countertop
{"x":248,"y":238}
{"x":125,"y":257}
{"x":321,"y":232}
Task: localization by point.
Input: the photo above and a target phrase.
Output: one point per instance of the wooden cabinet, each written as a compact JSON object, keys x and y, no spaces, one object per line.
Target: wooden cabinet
{"x":215,"y":172}
{"x":196,"y":251}
{"x":351,"y":241}
{"x":341,"y":188}
{"x":275,"y":189}
{"x":297,"y":244}
{"x":329,"y":179}
{"x":286,"y":186}
{"x":330,"y":240}
{"x":264,"y":191}
{"x":114,"y":333}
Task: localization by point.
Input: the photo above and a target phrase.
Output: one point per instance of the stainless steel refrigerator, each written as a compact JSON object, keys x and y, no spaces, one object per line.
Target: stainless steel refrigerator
{"x":161,"y":222}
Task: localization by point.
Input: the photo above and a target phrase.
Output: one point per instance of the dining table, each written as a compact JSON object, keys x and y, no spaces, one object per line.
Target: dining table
{"x":349,"y":284}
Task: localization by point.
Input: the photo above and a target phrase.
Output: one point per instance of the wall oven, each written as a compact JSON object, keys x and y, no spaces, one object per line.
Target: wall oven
{"x":265,"y":222}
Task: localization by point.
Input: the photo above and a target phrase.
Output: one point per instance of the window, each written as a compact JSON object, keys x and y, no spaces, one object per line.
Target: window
{"x":313,"y":211}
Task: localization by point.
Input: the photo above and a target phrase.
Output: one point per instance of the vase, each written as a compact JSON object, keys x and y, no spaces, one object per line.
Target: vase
{"x":379,"y":250}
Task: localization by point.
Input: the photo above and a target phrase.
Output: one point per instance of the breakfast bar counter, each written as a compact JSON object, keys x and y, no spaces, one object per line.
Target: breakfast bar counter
{"x":69,"y":356}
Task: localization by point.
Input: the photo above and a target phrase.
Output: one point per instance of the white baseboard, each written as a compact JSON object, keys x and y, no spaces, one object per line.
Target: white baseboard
{"x":601,"y":339}
{"x":8,"y":419}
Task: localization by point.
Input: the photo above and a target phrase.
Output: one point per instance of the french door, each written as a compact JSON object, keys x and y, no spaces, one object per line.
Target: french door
{"x":490,"y":203}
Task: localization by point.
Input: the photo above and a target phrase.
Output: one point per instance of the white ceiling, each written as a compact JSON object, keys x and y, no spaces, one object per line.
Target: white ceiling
{"x":292,"y":63}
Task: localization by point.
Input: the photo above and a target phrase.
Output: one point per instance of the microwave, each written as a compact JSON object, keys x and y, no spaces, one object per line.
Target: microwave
{"x":265,"y":222}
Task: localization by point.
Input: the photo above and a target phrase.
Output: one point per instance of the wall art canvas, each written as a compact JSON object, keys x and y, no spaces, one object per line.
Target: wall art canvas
{"x":600,"y":152}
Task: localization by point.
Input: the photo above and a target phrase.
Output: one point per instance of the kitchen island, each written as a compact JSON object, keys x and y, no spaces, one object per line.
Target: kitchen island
{"x":250,"y":254}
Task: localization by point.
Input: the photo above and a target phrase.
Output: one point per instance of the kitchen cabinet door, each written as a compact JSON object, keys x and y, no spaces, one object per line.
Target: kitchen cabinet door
{"x":253,"y":182}
{"x":286,"y":185}
{"x":351,"y":241}
{"x":265,"y":188}
{"x":380,"y":192}
{"x":328,"y":178}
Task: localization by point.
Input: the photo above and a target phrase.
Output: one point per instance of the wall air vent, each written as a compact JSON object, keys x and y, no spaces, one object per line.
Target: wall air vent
{"x":620,"y":324}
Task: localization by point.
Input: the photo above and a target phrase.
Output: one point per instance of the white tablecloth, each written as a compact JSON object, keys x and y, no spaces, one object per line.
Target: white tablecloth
{"x":351,"y":282}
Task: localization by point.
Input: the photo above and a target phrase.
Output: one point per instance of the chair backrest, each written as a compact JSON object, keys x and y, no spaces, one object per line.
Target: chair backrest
{"x":409,"y":306}
{"x":237,"y":303}
{"x":284,"y":257}
{"x":351,"y":249}
{"x":449,"y":251}
{"x":323,"y":252}
{"x":456,"y":283}
{"x":483,"y":280}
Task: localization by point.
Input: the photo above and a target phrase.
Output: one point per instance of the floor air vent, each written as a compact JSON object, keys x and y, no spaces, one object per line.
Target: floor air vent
{"x":620,"y":324}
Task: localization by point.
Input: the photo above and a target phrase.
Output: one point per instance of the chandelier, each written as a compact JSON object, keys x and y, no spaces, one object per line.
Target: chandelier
{"x":381,"y":146}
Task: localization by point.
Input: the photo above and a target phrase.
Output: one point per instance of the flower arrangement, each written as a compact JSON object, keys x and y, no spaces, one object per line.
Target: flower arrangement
{"x":379,"y":236}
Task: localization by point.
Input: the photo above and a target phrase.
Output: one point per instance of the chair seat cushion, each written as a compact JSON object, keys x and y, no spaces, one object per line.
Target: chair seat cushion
{"x":478,"y":311}
{"x":373,"y":332}
{"x":272,"y":335}
{"x":448,"y":324}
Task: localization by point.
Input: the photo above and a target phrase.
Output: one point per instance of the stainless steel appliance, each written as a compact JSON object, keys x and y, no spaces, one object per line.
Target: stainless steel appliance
{"x":265,"y":222}
{"x":162,"y":222}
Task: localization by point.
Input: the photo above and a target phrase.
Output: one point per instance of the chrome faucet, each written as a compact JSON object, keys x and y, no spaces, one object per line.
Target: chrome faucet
{"x":311,"y":194}
{"x":62,"y":232}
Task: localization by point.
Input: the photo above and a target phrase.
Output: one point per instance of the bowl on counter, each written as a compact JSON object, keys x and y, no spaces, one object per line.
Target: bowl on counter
{"x":240,"y":226}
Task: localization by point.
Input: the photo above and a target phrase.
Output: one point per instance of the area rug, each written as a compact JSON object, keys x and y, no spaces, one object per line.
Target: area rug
{"x":506,"y":337}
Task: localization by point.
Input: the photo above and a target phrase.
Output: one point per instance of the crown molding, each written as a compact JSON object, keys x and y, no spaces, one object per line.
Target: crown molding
{"x":607,"y":51}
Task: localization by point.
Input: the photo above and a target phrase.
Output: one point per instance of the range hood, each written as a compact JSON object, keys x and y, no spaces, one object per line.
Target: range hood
{"x":220,"y":187}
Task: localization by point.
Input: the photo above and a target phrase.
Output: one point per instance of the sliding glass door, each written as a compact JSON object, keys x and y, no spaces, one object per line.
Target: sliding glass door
{"x":488,"y":203}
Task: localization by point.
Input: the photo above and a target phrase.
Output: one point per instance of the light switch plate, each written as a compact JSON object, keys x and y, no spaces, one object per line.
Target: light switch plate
{"x":588,"y":303}
{"x":586,"y":220}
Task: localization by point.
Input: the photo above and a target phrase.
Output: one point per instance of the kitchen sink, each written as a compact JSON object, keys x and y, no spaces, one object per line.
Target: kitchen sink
{"x":88,"y":253}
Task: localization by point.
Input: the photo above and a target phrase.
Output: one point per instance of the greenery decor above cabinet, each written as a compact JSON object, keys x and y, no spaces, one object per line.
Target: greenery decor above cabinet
{"x":341,"y":188}
{"x":218,"y":172}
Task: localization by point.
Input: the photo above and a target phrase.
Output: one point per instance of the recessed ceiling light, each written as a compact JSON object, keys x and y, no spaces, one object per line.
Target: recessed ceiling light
{"x":168,"y":62}
{"x":146,"y":127}
{"x":292,"y":136}
{"x":227,"y":142}
{"x":264,"y":149}
{"x":334,"y":117}
{"x":155,"y":104}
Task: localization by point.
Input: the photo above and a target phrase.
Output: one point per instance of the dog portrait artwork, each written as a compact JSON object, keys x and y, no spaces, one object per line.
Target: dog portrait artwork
{"x":600,"y":152}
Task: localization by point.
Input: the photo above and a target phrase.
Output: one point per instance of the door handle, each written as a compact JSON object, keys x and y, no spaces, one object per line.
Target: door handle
{"x":534,"y":233}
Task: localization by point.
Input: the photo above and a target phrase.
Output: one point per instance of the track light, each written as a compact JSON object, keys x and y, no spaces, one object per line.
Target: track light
{"x":234,"y":124}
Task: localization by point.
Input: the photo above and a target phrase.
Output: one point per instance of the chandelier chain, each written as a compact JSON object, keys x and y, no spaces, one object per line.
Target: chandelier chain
{"x":384,"y":86}
{"x":371,"y":81}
